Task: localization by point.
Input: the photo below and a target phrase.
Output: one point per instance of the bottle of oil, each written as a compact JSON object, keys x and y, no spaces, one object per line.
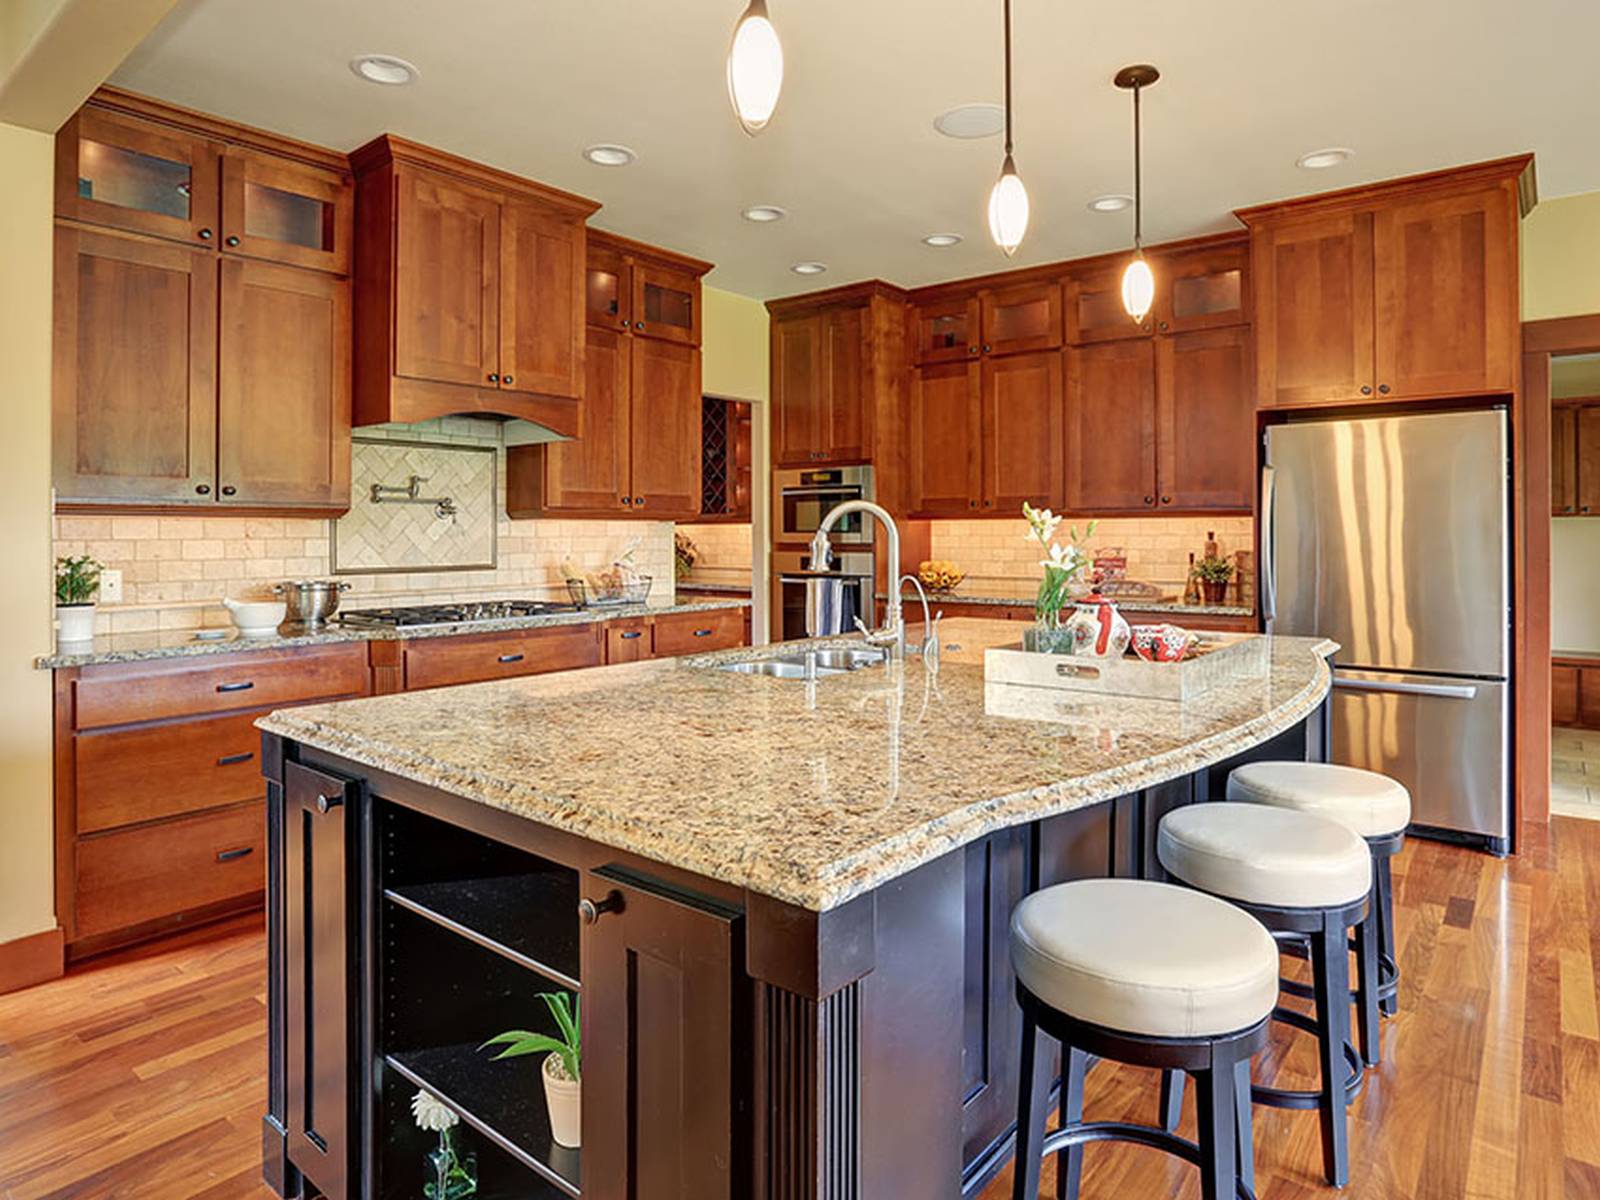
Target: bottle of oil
{"x":1191,"y":587}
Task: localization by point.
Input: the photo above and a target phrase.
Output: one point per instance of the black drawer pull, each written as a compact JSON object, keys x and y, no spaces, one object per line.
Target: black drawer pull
{"x":510,"y":658}
{"x":229,"y":760}
{"x":327,"y":804}
{"x":230,"y":855}
{"x":631,"y":634}
{"x":235,"y":687}
{"x":702,"y":633}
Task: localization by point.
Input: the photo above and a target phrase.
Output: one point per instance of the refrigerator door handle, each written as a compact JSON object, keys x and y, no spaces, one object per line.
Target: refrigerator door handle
{"x":1442,"y":691}
{"x":1269,"y":565}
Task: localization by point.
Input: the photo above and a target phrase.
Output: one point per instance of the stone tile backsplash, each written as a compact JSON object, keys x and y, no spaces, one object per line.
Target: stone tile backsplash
{"x":176,"y":570}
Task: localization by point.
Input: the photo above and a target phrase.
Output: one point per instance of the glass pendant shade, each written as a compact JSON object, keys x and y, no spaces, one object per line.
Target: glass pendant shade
{"x":755,"y":68}
{"x":1008,"y":209}
{"x":1138,"y":287}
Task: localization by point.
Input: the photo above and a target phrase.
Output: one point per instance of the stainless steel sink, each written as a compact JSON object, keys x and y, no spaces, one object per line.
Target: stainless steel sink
{"x":812,"y":664}
{"x":849,"y":660}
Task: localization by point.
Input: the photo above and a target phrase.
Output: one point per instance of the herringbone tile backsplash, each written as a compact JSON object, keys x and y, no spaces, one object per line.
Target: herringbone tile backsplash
{"x":392,"y":535}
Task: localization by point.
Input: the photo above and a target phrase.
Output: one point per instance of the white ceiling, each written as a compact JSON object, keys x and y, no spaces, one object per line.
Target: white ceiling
{"x":1247,"y":86}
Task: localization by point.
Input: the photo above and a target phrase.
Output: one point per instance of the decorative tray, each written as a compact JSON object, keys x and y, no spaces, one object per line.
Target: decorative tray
{"x":1216,"y":659}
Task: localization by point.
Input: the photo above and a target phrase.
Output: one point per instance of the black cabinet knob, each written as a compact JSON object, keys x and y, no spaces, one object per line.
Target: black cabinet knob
{"x":493,"y":378}
{"x":627,"y":500}
{"x":972,"y":504}
{"x":231,"y":240}
{"x":624,"y":322}
{"x":205,"y":235}
{"x":506,"y":379}
{"x":638,"y":501}
{"x":972,"y":349}
{"x":1149,"y":499}
{"x":987,"y":347}
{"x":202,"y":489}
{"x":328,"y":803}
{"x":228,"y":489}
{"x":1384,"y":388}
{"x":1163,"y":327}
{"x":988,"y":503}
{"x":1166,"y":499}
{"x":638,"y":324}
{"x":590,"y":911}
{"x":1366,"y":390}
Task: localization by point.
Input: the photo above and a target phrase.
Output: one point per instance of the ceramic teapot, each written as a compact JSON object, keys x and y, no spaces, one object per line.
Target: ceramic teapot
{"x":1097,"y":629}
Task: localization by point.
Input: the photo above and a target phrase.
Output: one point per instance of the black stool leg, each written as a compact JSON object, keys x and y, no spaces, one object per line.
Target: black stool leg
{"x":1069,"y":1162}
{"x":1171,"y":1100}
{"x":1244,"y":1124}
{"x":1367,"y":988}
{"x":1330,"y":970}
{"x":1386,"y":948}
{"x":1216,"y":1113}
{"x":1033,"y":1094}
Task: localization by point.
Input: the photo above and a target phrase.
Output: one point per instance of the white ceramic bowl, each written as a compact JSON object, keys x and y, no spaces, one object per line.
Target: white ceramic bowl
{"x":256,"y":618}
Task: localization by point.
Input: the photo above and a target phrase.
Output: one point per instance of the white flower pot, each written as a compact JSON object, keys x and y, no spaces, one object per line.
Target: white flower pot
{"x":566,"y":1106}
{"x":75,"y":623}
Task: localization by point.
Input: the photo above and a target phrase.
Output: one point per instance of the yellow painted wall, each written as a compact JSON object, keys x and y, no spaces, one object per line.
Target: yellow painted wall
{"x":734,"y":346}
{"x":1561,"y":258}
{"x":27,"y":899}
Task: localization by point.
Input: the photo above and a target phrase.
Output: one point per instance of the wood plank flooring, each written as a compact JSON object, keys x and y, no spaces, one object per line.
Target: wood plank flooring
{"x":142,"y":1075}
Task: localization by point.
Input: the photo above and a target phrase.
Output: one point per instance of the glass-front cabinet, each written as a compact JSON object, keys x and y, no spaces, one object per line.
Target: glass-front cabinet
{"x":608,"y":288}
{"x":666,"y":304}
{"x":118,"y":170}
{"x":286,"y":211}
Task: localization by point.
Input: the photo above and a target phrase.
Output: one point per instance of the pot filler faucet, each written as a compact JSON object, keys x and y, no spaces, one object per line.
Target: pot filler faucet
{"x":893,"y":634}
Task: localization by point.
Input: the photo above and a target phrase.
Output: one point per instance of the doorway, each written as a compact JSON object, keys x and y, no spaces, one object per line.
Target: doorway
{"x":1575,"y":584}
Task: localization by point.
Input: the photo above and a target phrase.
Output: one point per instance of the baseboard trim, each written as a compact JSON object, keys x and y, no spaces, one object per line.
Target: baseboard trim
{"x":36,"y":958}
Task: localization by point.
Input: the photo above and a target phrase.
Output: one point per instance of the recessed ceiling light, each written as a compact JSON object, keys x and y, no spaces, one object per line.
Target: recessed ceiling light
{"x":607,"y":155}
{"x":384,"y":68}
{"x":941,"y":239}
{"x":1317,"y":160}
{"x":764,"y":213}
{"x":971,"y":121}
{"x":809,"y":268}
{"x":1110,"y":203}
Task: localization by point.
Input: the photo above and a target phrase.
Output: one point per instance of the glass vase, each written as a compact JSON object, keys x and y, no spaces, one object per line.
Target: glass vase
{"x":452,"y":1173}
{"x":1047,"y":636}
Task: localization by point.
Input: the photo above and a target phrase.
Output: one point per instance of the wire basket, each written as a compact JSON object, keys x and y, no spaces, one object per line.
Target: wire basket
{"x":634,"y":590}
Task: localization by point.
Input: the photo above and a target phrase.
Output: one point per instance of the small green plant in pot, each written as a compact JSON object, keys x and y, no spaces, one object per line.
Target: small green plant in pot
{"x":1214,"y":574}
{"x":562,"y":1067}
{"x":77,"y":587}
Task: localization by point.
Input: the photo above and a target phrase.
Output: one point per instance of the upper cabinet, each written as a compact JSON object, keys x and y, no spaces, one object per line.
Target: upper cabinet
{"x":1405,"y":290}
{"x":1007,"y":319}
{"x":1199,"y":285}
{"x":1575,"y":459}
{"x":202,"y":317}
{"x":639,"y":449}
{"x":470,"y":290}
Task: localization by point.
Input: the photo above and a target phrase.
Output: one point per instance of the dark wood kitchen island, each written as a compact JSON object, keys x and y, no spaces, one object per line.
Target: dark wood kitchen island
{"x":782,"y":902}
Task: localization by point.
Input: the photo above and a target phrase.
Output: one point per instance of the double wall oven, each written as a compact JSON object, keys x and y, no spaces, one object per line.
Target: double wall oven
{"x":844,"y":592}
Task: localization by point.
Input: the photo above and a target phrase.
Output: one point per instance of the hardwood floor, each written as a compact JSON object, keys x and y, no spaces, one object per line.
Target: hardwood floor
{"x":142,"y":1075}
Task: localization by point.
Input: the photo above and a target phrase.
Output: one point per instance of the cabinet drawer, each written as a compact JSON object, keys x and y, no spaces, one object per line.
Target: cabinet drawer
{"x":628,"y":641}
{"x":125,"y":776}
{"x":122,"y":693}
{"x":443,"y":661}
{"x":698,"y":632}
{"x":139,"y":875}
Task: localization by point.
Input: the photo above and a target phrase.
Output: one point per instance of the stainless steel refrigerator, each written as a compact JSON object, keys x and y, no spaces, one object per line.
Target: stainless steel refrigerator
{"x":1391,"y":535}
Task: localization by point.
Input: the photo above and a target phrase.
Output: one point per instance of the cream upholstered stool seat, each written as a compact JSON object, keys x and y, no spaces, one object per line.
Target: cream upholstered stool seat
{"x":1144,"y":973}
{"x":1374,"y":806}
{"x":1306,"y":879}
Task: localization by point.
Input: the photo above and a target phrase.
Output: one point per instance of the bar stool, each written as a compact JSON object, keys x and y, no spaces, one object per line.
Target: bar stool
{"x":1306,"y":879}
{"x":1374,"y":806}
{"x":1149,"y":974}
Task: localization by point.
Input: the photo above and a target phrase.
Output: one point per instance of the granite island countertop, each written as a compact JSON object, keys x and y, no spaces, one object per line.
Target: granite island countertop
{"x":178,"y":643}
{"x":811,"y":793}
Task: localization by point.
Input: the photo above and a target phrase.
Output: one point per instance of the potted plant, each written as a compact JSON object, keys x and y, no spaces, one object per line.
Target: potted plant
{"x":77,"y":585}
{"x":1214,"y":574}
{"x":561,"y":1068}
{"x":684,"y":555}
{"x":1062,"y":565}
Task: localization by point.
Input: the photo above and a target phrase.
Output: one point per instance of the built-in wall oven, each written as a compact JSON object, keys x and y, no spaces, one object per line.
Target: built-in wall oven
{"x":845,"y":592}
{"x":806,"y":495}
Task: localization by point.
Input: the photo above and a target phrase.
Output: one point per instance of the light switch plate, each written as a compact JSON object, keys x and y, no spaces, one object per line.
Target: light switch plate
{"x":111,"y":587}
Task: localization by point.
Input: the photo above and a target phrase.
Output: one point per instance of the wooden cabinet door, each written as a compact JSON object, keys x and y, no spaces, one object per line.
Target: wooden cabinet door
{"x":1314,"y":310}
{"x":541,"y":301}
{"x":590,"y":474}
{"x":628,"y":641}
{"x":1093,"y":301}
{"x":798,"y":389}
{"x":666,"y":304}
{"x":1202,"y":289}
{"x":1019,"y":320}
{"x":1589,"y":697}
{"x":128,"y":173}
{"x":447,"y":281}
{"x":996,"y":881}
{"x":1588,"y":471}
{"x":287,"y":211}
{"x":1564,"y":702}
{"x":608,"y":288}
{"x":1111,"y":427}
{"x":945,"y":432}
{"x":134,"y":380}
{"x":283,"y":388}
{"x":1022,"y":428}
{"x":1205,"y":420}
{"x":664,"y":430}
{"x":1446,"y":283}
{"x":319,"y":835}
{"x":659,"y":1080}
{"x":845,"y":424}
{"x":1563,"y":461}
{"x":946,"y":330}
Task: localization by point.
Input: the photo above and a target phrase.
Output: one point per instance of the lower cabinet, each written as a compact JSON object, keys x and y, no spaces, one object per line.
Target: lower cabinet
{"x":1575,"y":693}
{"x":474,"y":658}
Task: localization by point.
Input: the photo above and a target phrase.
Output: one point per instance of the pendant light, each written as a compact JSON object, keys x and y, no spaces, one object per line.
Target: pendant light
{"x":1138,"y":284}
{"x":1008,"y":202}
{"x":755,"y":68}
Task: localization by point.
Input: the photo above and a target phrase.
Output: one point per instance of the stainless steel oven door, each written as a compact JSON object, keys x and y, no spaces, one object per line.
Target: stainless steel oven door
{"x":805,"y":497}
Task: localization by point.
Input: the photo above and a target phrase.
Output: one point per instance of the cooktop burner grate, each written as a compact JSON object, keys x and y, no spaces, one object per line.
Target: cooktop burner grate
{"x":418,"y":615}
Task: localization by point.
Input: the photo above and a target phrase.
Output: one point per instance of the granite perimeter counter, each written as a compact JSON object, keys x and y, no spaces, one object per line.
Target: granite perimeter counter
{"x":783,"y":902}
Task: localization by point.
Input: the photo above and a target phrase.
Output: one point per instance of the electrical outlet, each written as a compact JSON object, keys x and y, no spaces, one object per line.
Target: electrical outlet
{"x":111,"y":587}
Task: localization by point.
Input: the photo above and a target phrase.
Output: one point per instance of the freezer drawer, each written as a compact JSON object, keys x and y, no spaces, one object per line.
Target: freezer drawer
{"x":1444,"y":738}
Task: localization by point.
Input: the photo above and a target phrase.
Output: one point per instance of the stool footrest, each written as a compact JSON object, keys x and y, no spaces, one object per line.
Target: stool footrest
{"x":1084,"y":1132}
{"x":1275,"y":1097}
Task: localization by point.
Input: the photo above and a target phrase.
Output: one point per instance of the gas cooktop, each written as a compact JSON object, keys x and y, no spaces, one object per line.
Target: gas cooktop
{"x":422,"y":615}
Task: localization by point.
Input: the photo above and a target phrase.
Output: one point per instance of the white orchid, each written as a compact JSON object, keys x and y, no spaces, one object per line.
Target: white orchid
{"x":1042,"y":523}
{"x":1068,"y":559}
{"x":432,"y":1113}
